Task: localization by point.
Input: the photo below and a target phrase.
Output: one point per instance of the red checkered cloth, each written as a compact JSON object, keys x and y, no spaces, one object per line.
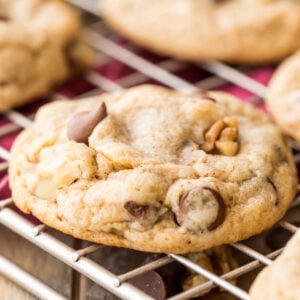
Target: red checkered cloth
{"x":116,"y":71}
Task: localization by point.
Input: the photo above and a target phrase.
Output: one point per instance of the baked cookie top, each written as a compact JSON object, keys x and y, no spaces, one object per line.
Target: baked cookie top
{"x":41,"y":45}
{"x":154,"y":170}
{"x":241,"y":31}
{"x":280,"y":280}
{"x":283,"y":99}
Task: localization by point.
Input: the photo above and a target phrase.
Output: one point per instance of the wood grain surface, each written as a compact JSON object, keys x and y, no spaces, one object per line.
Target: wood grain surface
{"x":34,"y":260}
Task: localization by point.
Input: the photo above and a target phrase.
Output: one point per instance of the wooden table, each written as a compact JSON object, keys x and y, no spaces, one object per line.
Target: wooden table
{"x":37,"y":262}
{"x":48,"y":269}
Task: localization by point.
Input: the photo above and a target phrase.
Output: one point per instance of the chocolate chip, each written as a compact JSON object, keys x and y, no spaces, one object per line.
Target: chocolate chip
{"x":221,"y":213}
{"x":135,"y":209}
{"x":172,"y":274}
{"x":182,"y":198}
{"x":195,"y":207}
{"x":81,"y":125}
{"x":151,"y":283}
{"x":275,"y":189}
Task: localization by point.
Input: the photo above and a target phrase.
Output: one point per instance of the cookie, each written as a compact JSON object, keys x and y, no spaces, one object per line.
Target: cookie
{"x":280,"y":280}
{"x":152,"y":169}
{"x":247,"y":31}
{"x":41,"y":46}
{"x":283,"y":99}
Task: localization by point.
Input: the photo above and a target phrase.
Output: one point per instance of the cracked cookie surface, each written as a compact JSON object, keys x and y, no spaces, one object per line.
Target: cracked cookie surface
{"x":283,"y":98}
{"x":144,"y":178}
{"x":240,"y":31}
{"x":280,"y":280}
{"x":41,"y":46}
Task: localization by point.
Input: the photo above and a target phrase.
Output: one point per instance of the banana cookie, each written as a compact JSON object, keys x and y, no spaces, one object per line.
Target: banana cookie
{"x":283,"y":99}
{"x":152,"y":169}
{"x":41,"y":46}
{"x":240,"y":31}
{"x":280,"y":281}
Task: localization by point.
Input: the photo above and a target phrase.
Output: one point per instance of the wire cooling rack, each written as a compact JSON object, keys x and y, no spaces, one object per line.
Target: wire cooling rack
{"x":137,"y":66}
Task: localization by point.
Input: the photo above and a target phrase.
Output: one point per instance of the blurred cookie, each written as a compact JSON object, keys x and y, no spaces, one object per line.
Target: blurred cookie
{"x":155,"y":170}
{"x":248,"y":31}
{"x":280,"y":280}
{"x":41,"y":46}
{"x":283,"y":98}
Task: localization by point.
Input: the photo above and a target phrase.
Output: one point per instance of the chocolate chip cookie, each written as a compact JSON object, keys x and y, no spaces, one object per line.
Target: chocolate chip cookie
{"x":240,"y":31}
{"x":155,"y":170}
{"x":283,"y":99}
{"x":280,"y":281}
{"x":41,"y":46}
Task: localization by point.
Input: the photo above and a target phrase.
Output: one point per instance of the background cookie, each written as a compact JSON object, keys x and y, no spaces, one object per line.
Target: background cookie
{"x":158,"y":171}
{"x":248,"y":31}
{"x":41,"y":45}
{"x":283,"y":98}
{"x":280,"y":281}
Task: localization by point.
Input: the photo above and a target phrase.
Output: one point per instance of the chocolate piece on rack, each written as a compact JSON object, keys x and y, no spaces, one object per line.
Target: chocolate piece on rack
{"x":151,"y":283}
{"x":170,"y":275}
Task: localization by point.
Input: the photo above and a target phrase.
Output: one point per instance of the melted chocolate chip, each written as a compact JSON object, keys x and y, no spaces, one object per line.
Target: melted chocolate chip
{"x":81,"y":125}
{"x":196,"y":198}
{"x":275,"y":189}
{"x":221,"y":213}
{"x":151,"y":283}
{"x":182,"y":198}
{"x":135,"y":209}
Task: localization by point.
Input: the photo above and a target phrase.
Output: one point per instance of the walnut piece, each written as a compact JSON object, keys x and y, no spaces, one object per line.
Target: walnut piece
{"x":222,"y":136}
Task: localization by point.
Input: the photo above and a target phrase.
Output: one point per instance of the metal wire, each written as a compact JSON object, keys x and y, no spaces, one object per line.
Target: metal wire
{"x":143,"y":70}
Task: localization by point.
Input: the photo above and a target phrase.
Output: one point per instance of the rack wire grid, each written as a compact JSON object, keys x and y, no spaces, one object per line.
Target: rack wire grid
{"x":138,"y":66}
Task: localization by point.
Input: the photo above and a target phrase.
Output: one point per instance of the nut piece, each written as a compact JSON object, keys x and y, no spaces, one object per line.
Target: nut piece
{"x":222,"y":136}
{"x":227,"y":148}
{"x":46,"y":189}
{"x":212,"y":134}
{"x":229,"y":134}
{"x":81,"y":125}
{"x":200,"y":209}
